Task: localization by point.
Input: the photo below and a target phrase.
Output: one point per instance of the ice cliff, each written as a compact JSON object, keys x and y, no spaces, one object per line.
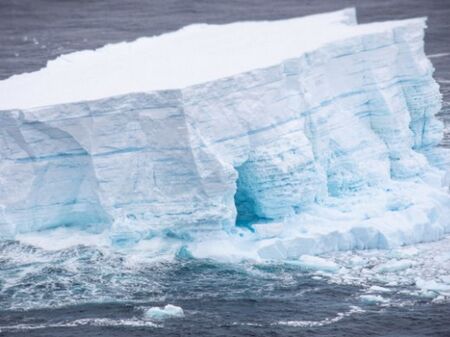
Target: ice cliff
{"x":315,"y":133}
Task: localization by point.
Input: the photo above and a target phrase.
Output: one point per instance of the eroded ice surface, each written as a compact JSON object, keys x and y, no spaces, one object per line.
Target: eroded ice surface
{"x":312,"y":135}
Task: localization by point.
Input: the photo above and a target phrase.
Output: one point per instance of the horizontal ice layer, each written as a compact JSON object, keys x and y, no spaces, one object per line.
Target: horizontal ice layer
{"x":331,"y":143}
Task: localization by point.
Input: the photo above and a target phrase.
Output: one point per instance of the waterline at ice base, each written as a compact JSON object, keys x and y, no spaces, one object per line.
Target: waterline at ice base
{"x":250,"y":141}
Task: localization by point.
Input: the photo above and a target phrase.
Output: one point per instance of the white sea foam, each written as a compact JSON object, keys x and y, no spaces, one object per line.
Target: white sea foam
{"x":100,"y":322}
{"x":438,"y":55}
{"x":327,"y":321}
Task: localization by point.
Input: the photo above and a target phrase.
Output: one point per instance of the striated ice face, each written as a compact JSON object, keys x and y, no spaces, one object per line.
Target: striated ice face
{"x":318,"y":145}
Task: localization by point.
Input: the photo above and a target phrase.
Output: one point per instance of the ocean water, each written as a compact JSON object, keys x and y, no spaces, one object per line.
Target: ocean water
{"x":90,"y":291}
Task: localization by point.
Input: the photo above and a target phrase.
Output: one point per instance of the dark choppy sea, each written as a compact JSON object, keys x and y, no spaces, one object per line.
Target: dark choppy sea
{"x":84,"y":291}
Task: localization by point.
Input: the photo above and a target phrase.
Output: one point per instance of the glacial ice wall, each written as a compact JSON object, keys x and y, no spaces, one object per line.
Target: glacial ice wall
{"x":332,"y":148}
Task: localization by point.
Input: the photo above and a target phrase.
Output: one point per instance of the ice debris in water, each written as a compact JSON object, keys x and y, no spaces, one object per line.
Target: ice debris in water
{"x":378,"y":289}
{"x":433,"y":286}
{"x":162,"y":313}
{"x":373,"y":299}
{"x":394,"y":266}
{"x":315,"y":263}
{"x":424,"y":271}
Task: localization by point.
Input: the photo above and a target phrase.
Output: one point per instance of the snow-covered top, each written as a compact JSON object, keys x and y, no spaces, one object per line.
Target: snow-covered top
{"x":192,"y":55}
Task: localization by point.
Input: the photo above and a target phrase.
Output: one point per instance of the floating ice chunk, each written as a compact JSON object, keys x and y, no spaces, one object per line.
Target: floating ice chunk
{"x":315,"y":263}
{"x":440,"y":299}
{"x":443,"y":257}
{"x":378,"y":289}
{"x":432,"y":285}
{"x":394,"y":266}
{"x":405,"y":252}
{"x":373,"y":299}
{"x":269,"y":230}
{"x":125,"y":239}
{"x":445,"y":279}
{"x":357,"y":261}
{"x":159,"y":313}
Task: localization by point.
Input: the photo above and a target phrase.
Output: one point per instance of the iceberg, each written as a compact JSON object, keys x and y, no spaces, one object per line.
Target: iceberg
{"x":263,"y":140}
{"x":159,"y":313}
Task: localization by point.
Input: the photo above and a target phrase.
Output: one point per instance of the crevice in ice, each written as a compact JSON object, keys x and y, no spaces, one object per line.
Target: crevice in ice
{"x":246,"y":202}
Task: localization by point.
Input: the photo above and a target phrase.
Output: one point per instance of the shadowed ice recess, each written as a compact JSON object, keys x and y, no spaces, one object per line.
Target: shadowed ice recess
{"x":252,"y":142}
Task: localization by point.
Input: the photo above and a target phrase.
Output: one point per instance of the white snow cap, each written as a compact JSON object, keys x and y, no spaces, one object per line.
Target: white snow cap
{"x":194,"y":54}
